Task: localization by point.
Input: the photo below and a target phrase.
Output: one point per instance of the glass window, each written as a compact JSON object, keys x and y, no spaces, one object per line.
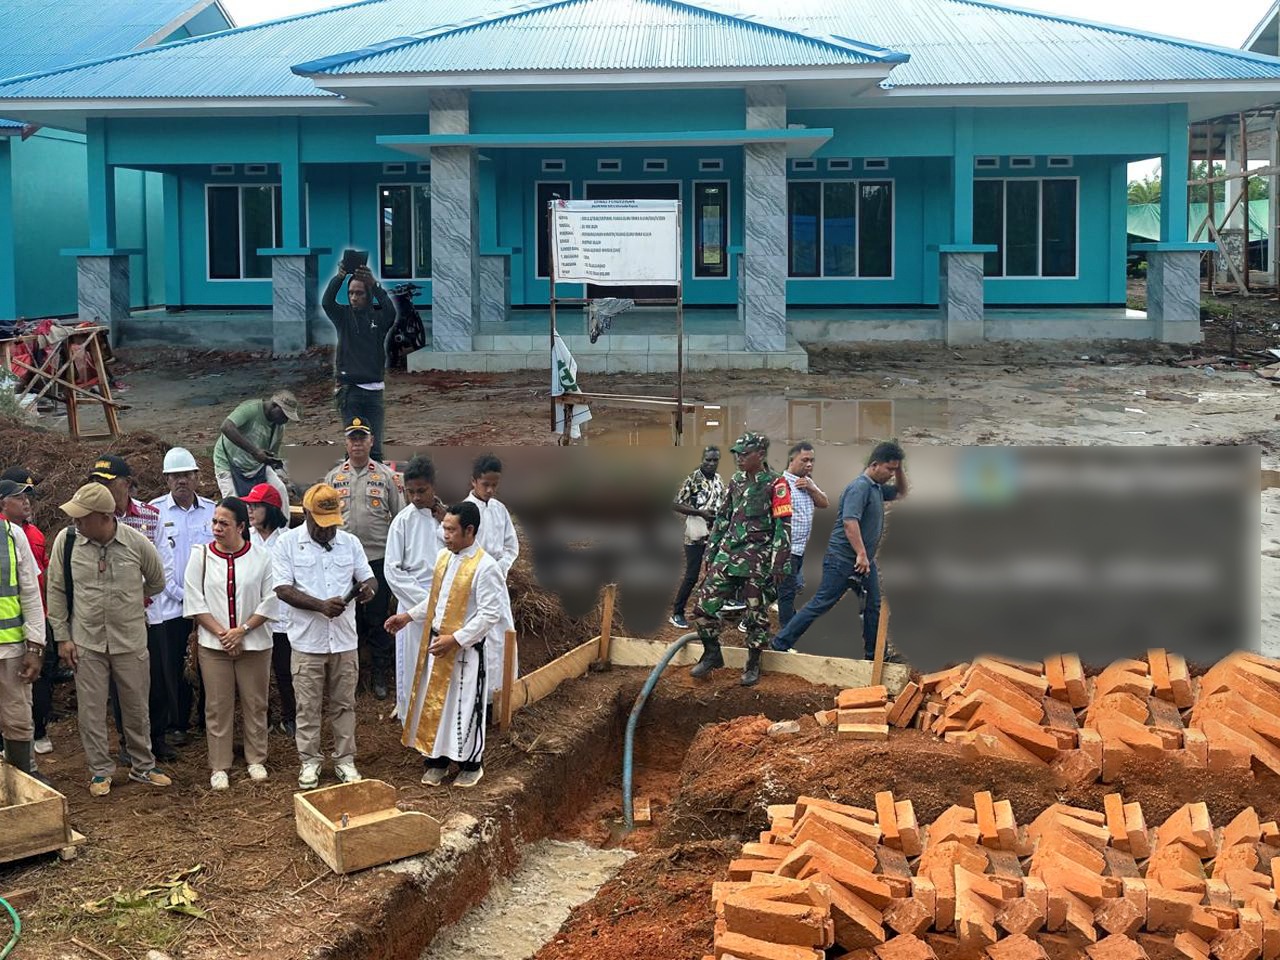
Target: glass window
{"x":422,"y":231}
{"x":224,"y":232}
{"x":839,"y":228}
{"x":1058,"y":230}
{"x":395,"y":236}
{"x":988,"y":223}
{"x":804,"y":211}
{"x":545,"y":194}
{"x":875,"y":241}
{"x":711,"y":229}
{"x":1022,"y":228}
{"x":259,"y":212}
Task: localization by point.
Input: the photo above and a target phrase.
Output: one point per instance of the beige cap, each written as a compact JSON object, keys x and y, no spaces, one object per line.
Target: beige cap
{"x":324,"y":505}
{"x":91,"y":498}
{"x":287,"y":402}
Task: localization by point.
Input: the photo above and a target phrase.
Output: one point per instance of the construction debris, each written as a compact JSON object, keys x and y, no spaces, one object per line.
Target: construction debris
{"x":976,"y":884}
{"x":1049,"y":713}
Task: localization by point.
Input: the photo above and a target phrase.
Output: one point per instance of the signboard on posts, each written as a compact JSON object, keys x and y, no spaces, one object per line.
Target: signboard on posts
{"x":616,"y":242}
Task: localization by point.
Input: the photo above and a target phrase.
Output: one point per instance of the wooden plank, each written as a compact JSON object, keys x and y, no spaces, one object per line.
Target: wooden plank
{"x":376,"y":831}
{"x":33,"y":817}
{"x":606,"y":621}
{"x":541,"y":683}
{"x":824,"y":671}
{"x":882,"y":637}
{"x":404,"y":833}
{"x":508,"y":680}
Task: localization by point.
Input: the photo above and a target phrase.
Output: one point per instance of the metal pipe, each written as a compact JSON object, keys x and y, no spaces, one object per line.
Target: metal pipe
{"x":628,"y":813}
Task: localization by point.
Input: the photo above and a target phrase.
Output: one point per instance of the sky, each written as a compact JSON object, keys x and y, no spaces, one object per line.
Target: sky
{"x":1223,"y":22}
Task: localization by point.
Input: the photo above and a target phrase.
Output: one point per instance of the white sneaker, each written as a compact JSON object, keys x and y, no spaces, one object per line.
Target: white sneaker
{"x":309,"y":776}
{"x":434,"y":776}
{"x":43,"y":745}
{"x":257,"y":771}
{"x":773,"y":607}
{"x":742,"y":626}
{"x":219,"y":780}
{"x":347,"y":772}
{"x":468,"y":778}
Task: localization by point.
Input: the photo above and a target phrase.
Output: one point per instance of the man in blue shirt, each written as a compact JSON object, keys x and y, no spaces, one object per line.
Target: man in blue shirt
{"x":851,"y":551}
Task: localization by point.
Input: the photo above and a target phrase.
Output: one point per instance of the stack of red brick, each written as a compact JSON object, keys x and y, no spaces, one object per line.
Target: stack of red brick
{"x":871,"y":884}
{"x":1050,"y":713}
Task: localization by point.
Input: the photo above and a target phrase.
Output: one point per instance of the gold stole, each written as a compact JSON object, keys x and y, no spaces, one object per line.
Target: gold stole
{"x":422,"y":736}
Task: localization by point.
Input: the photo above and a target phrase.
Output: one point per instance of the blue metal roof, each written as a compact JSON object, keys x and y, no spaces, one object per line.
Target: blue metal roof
{"x":950,"y":43}
{"x":602,"y":35}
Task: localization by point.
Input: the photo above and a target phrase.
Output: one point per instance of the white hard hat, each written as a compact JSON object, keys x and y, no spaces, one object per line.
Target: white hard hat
{"x":179,"y":460}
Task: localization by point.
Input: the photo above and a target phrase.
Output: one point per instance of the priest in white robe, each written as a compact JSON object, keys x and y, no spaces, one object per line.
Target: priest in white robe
{"x":497,"y":537}
{"x":414,"y":542}
{"x":466,"y":612}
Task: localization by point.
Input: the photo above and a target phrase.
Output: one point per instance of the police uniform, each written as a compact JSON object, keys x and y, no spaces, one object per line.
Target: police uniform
{"x":750,"y":546}
{"x":371,"y":497}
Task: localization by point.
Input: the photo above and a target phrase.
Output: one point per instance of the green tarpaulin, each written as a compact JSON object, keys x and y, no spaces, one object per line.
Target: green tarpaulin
{"x":1144,"y":219}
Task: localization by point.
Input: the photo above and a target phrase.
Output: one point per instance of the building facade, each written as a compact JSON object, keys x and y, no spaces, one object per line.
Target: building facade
{"x":900,"y":169}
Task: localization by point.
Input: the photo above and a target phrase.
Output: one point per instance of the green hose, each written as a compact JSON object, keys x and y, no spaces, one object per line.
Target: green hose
{"x":17,"y":929}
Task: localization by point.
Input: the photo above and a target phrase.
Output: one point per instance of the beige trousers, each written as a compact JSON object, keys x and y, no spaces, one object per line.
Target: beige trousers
{"x":314,"y":674}
{"x":15,"y":701}
{"x":132,"y":674}
{"x":226,"y":678}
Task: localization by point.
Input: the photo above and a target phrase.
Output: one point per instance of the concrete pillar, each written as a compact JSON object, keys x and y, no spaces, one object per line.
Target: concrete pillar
{"x":495,"y":288}
{"x":1173,"y":294}
{"x":1273,"y":184}
{"x":102,"y":291}
{"x":960,"y":300}
{"x":763,"y":283}
{"x":294,"y":301}
{"x":455,"y":241}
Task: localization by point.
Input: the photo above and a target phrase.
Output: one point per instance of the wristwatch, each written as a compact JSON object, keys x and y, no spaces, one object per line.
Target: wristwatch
{"x":35,"y":648}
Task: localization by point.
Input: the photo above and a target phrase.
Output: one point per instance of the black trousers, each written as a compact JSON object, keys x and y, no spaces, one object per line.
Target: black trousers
{"x":281,"y":656}
{"x":354,"y":402}
{"x":177,"y":692}
{"x":693,"y":553}
{"x":157,"y":702}
{"x":369,"y":620}
{"x":442,"y":763}
{"x":42,"y":689}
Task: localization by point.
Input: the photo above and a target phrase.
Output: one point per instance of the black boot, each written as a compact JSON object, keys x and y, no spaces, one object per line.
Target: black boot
{"x":751,"y":673}
{"x":17,"y":753}
{"x":712,"y":659}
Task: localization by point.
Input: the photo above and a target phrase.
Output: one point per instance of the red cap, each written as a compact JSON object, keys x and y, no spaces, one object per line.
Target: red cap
{"x":264,"y":493}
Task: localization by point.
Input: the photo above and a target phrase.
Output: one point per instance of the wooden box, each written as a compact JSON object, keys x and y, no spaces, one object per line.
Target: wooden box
{"x":33,"y":818}
{"x":376,"y":831}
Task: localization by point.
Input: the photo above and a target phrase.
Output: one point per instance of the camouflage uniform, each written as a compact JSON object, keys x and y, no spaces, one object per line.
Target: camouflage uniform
{"x":750,"y":544}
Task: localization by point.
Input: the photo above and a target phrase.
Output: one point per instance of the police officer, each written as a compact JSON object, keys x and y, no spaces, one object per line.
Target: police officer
{"x":748,"y":551}
{"x":371,"y":497}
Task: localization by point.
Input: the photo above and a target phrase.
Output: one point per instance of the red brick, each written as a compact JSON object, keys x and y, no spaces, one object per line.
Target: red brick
{"x":1136,"y":829}
{"x":862,"y":697}
{"x":1248,"y":886}
{"x":1020,"y":915}
{"x":931,"y":681}
{"x":1076,"y":767}
{"x":777,"y":922}
{"x":804,"y":804}
{"x":908,"y":828}
{"x":887,"y":818}
{"x":1158,"y":662}
{"x":984,"y":808}
{"x":1124,"y":676}
{"x":854,"y":841}
{"x":1230,"y":751}
{"x":862,"y":731}
{"x":1121,"y":864}
{"x":906,"y":705}
{"x":1018,"y":947}
{"x":826,"y":718}
{"x":992,"y":686}
{"x":1116,"y":947}
{"x":1119,"y":916}
{"x":1079,"y":918}
{"x":956,"y":823}
{"x":1169,"y":910}
{"x":1191,"y":946}
{"x":1250,"y":690}
{"x":1251,"y":923}
{"x":1235,"y":711}
{"x":1089,"y":886}
{"x":1033,"y":684}
{"x":1116,"y":756}
{"x":748,"y":948}
{"x":1073,"y":674}
{"x":1241,"y":857}
{"x":991,"y":741}
{"x":922,"y":889}
{"x":1235,"y":945}
{"x":1196,"y":745}
{"x":1188,"y":825}
{"x":1032,"y":736}
{"x":1127,"y":705}
{"x":743,"y":868}
{"x":858,"y":924}
{"x":1135,"y":891}
{"x":908,"y":916}
{"x":1245,"y":828}
{"x":768,"y":886}
{"x":906,"y":947}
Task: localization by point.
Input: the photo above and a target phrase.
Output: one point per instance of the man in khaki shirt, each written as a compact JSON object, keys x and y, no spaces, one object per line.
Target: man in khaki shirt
{"x":371,"y":498}
{"x":101,"y":628}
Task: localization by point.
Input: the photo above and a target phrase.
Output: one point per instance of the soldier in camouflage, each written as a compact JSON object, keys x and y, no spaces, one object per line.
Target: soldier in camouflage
{"x":748,"y":551}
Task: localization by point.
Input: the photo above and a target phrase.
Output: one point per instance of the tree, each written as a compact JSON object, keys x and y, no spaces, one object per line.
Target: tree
{"x":1146,"y":190}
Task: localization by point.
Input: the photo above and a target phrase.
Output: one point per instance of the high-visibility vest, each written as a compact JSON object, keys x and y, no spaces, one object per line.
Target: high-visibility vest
{"x":10,"y":595}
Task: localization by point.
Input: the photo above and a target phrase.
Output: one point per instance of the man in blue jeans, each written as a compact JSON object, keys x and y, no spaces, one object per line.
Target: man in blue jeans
{"x":851,"y":551}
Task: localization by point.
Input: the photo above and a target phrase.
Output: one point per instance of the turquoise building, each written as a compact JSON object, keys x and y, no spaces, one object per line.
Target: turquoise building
{"x":946,"y":169}
{"x":43,"y":186}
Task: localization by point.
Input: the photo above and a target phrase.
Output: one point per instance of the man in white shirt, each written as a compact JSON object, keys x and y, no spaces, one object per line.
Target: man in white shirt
{"x":319,"y":569}
{"x":185,"y":522}
{"x":414,"y":542}
{"x":805,"y":496}
{"x":497,"y":537}
{"x":466,"y":611}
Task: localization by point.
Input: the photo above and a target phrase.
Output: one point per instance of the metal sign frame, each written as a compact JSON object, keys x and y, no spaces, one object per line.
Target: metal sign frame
{"x":678,"y":303}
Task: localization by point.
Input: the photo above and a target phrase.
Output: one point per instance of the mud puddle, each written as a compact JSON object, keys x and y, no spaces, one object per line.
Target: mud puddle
{"x":525,"y":911}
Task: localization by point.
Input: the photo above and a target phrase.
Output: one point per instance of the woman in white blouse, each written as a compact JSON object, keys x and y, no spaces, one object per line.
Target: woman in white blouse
{"x":229,"y":594}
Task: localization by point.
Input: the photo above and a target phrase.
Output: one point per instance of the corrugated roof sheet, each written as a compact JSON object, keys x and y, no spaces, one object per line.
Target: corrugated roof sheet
{"x":950,"y":42}
{"x":602,"y":35}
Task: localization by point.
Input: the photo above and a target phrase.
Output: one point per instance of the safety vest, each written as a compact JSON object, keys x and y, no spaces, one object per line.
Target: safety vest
{"x":10,"y":596}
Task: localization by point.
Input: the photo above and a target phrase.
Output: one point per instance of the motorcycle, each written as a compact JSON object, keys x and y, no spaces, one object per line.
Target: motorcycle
{"x":409,"y":333}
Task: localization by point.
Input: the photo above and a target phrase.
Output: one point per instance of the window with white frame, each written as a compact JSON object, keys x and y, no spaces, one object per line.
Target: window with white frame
{"x":840,"y":228}
{"x":404,"y":231}
{"x":240,"y":220}
{"x":1032,"y":222}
